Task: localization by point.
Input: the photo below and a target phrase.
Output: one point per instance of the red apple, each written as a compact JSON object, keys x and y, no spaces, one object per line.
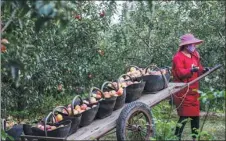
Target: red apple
{"x":83,"y":107}
{"x":102,"y":14}
{"x":78,"y":17}
{"x":90,"y":76}
{"x":120,"y":91}
{"x":3,"y":49}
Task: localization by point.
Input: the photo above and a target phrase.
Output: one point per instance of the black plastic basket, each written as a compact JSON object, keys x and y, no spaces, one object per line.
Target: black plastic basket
{"x":58,"y":132}
{"x":133,"y":91}
{"x":106,"y":105}
{"x":89,"y":115}
{"x":155,"y":83}
{"x":120,"y":100}
{"x":27,"y":129}
{"x":75,"y":119}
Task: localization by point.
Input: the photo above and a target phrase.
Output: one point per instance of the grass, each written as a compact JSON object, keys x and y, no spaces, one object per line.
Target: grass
{"x":214,"y":126}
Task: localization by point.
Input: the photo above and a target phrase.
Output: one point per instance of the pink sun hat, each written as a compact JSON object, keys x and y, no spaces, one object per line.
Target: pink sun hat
{"x":187,"y":39}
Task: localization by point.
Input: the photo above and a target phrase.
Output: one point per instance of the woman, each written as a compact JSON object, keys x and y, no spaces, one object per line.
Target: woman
{"x":187,"y":67}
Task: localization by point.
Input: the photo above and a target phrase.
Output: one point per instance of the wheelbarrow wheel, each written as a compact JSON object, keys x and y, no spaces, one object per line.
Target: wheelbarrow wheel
{"x":135,"y":122}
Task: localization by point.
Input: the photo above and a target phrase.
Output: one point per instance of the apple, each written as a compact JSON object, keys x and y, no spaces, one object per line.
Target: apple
{"x":98,"y":96}
{"x":69,"y":110}
{"x":94,"y":106}
{"x":5,"y":41}
{"x":81,"y":111}
{"x":94,"y":95}
{"x":88,"y":108}
{"x":53,"y":127}
{"x":77,"y":107}
{"x":48,"y":127}
{"x":93,"y":100}
{"x":90,"y":76}
{"x":42,"y":127}
{"x":120,"y":91}
{"x":78,"y":17}
{"x":107,"y":95}
{"x":132,"y":69}
{"x":39,"y":125}
{"x":98,"y":93}
{"x":83,"y":107}
{"x":85,"y":102}
{"x":112,"y":93}
{"x":59,"y":117}
{"x":75,"y":112}
{"x":123,"y":84}
{"x":102,"y":14}
{"x":101,"y":52}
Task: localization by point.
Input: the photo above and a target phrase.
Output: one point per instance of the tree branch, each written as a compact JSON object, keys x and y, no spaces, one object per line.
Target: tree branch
{"x":139,"y":36}
{"x":10,"y":20}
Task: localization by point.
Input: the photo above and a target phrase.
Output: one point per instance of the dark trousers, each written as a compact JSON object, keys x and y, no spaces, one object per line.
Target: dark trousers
{"x":194,"y":126}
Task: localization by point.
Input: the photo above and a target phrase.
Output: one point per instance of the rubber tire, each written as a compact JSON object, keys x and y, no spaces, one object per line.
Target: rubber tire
{"x":125,"y":114}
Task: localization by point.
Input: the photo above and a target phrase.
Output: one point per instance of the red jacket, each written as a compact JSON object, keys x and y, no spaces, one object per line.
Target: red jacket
{"x":181,"y":71}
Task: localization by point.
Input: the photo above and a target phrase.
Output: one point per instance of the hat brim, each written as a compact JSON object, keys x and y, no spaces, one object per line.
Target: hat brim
{"x":194,"y":41}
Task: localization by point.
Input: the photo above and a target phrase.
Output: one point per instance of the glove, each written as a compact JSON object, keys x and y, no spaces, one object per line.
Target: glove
{"x":194,"y":69}
{"x":205,"y":70}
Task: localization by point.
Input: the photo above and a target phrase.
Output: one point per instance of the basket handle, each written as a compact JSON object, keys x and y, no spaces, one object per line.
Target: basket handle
{"x":164,"y":77}
{"x":60,"y":107}
{"x":169,"y":69}
{"x":95,"y":88}
{"x":73,"y":103}
{"x":130,"y":66}
{"x":46,"y":119}
{"x":108,"y":82}
{"x":130,"y":78}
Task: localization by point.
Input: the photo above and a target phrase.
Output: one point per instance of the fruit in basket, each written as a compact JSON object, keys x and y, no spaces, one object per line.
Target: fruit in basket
{"x":75,"y":112}
{"x":129,"y":83}
{"x":81,"y":111}
{"x":94,"y":106}
{"x":132,"y":69}
{"x":93,"y":100}
{"x":123,"y":84}
{"x":68,"y":109}
{"x":112,"y":93}
{"x":85,"y":102}
{"x":98,"y":96}
{"x":88,"y":108}
{"x":42,"y":128}
{"x":48,"y":127}
{"x":77,"y":107}
{"x":98,"y":93}
{"x":163,"y":71}
{"x":83,"y":107}
{"x":59,"y":117}
{"x":94,"y":95}
{"x":120,"y":91}
{"x":53,"y":127}
{"x":107,"y":95}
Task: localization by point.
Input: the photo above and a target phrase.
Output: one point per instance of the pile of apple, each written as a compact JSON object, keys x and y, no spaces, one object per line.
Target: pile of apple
{"x":119,"y":92}
{"x":152,"y":72}
{"x":78,"y":109}
{"x":48,"y":127}
{"x":133,"y":72}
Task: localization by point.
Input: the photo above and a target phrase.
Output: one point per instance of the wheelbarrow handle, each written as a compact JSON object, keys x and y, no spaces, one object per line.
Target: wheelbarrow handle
{"x":203,"y":75}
